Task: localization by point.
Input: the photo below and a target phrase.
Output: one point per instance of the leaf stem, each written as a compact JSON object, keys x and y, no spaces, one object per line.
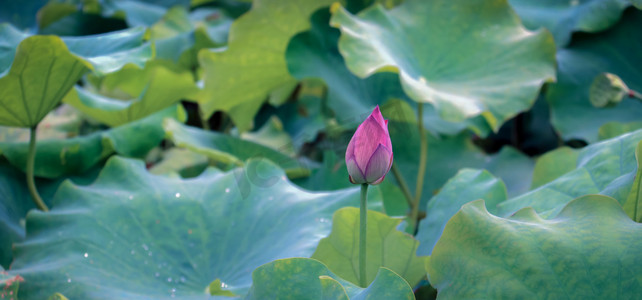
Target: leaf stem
{"x":363,"y":212}
{"x":403,"y":185}
{"x":634,"y":94}
{"x":31,"y":158}
{"x":423,"y":154}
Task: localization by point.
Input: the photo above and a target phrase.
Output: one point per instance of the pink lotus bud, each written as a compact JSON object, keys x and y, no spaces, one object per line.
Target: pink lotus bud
{"x":369,"y":154}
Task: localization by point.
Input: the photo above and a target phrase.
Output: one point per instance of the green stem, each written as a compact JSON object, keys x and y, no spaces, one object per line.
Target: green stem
{"x":363,"y":212}
{"x":403,"y":185}
{"x":31,"y":158}
{"x":423,"y":155}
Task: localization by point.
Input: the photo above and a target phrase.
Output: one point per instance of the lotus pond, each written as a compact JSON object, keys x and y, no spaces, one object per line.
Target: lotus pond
{"x":320,"y":149}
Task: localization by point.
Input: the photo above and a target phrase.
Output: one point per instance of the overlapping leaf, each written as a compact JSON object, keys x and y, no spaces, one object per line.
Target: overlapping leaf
{"x":148,"y":90}
{"x":111,"y":51}
{"x":41,"y":73}
{"x":562,"y":18}
{"x":179,"y":31}
{"x":589,"y":251}
{"x":315,"y":54}
{"x":468,"y":185}
{"x":304,"y":278}
{"x":57,"y":157}
{"x":386,"y":247}
{"x":446,"y":155}
{"x":467,"y":58}
{"x":131,"y":233}
{"x":554,"y":164}
{"x":16,"y":202}
{"x":238,"y":79}
{"x":606,"y":168}
{"x":227,"y":151}
{"x":611,"y":51}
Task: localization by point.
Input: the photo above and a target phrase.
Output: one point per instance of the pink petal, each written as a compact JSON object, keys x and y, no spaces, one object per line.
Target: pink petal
{"x":366,"y":140}
{"x":379,"y":164}
{"x":378,"y":181}
{"x":356,"y":175}
{"x":376,"y":113}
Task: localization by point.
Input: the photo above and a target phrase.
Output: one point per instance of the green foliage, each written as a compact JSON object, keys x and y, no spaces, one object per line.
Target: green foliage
{"x":146,"y":91}
{"x":586,"y":252}
{"x":42,"y":72}
{"x":563,"y":18}
{"x":554,"y":164}
{"x":468,"y":185}
{"x":238,"y":80}
{"x":578,"y":65}
{"x":304,"y":278}
{"x":57,"y":157}
{"x":386,"y":247}
{"x":606,"y":168}
{"x":457,"y":56}
{"x":167,"y":133}
{"x":132,"y":233}
{"x":446,"y":155}
{"x":228,"y":151}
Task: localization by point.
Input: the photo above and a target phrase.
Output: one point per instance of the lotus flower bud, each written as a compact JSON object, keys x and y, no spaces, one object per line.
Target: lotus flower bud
{"x":369,"y":153}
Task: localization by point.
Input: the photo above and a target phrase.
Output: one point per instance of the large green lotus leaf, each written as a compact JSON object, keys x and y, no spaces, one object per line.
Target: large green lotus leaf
{"x":305,"y":278}
{"x":562,"y":18}
{"x":467,"y":186}
{"x":589,"y":251}
{"x":56,"y":157}
{"x":467,"y":58}
{"x":606,"y":168}
{"x":315,"y":54}
{"x":42,"y":72}
{"x":385,"y":247}
{"x":159,"y":88}
{"x":133,"y":235}
{"x":254,"y":62}
{"x":227,"y":150}
{"x":587,"y":56}
{"x":554,"y":164}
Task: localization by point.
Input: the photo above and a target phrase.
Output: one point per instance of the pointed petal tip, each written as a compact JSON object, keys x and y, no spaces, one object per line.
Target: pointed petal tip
{"x":376,"y":114}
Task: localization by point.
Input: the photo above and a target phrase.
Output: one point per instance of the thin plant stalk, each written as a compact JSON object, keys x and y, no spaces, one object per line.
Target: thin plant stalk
{"x":403,"y":185}
{"x":636,"y":95}
{"x":363,"y":212}
{"x":423,"y":155}
{"x":31,"y":184}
